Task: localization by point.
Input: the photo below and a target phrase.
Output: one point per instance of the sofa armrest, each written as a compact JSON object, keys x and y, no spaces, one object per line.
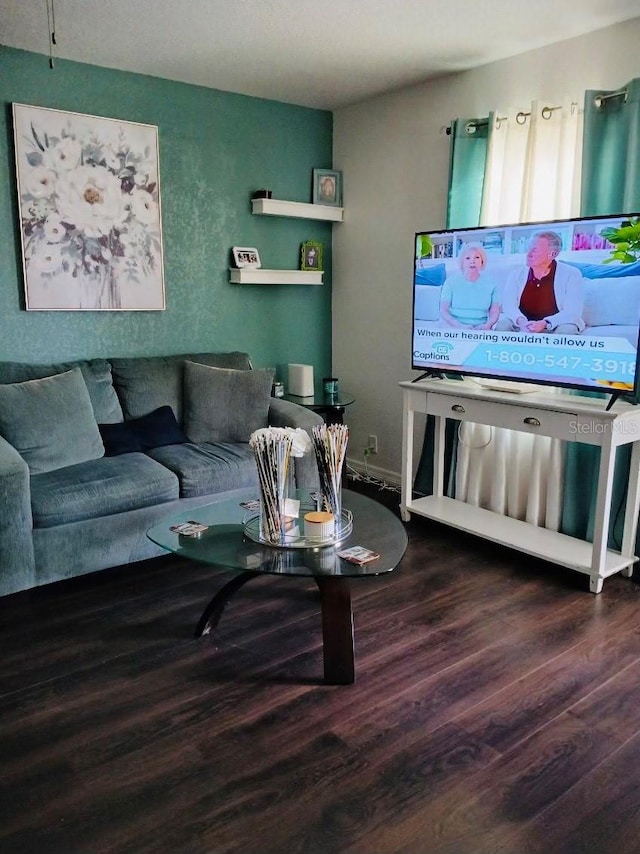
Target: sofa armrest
{"x":17,"y":562}
{"x":283,"y":413}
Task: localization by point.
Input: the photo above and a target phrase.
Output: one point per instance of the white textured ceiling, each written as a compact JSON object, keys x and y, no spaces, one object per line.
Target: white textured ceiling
{"x":318,"y":53}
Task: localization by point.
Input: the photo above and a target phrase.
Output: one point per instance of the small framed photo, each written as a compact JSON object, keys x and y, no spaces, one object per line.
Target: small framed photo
{"x":311,"y":256}
{"x":327,"y":187}
{"x":245,"y":256}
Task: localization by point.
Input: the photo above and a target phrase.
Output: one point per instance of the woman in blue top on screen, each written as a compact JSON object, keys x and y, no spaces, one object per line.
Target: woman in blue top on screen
{"x":470,"y":298}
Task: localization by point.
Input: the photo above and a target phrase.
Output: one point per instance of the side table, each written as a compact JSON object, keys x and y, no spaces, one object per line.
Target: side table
{"x":330,"y":406}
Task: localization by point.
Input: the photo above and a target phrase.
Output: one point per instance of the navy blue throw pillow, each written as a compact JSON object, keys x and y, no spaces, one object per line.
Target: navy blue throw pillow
{"x":153,"y":430}
{"x":118,"y":439}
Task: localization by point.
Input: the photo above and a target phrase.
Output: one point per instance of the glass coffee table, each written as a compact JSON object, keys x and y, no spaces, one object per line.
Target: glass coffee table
{"x":226,"y":545}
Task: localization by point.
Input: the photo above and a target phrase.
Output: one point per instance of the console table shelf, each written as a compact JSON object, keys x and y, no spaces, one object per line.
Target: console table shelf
{"x":529,"y":539}
{"x":567,"y":417}
{"x":301,"y":210}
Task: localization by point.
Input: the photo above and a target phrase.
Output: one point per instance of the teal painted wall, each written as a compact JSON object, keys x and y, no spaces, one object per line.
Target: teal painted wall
{"x":215,"y":149}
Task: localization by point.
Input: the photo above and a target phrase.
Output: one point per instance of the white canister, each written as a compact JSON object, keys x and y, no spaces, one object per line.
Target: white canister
{"x":319,"y":526}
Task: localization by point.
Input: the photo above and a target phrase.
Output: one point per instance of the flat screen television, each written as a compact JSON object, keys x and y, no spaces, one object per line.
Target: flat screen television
{"x":551,"y":303}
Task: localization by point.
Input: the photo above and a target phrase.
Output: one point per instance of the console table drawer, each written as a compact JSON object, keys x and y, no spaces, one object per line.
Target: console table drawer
{"x":558,"y":425}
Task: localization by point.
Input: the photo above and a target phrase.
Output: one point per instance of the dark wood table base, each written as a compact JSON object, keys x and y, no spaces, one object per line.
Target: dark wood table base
{"x":337,"y":630}
{"x":337,"y":622}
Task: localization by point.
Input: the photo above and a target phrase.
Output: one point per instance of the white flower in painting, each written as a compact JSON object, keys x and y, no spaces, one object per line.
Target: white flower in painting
{"x":38,"y":209}
{"x":63,"y":156}
{"x":143,"y":207}
{"x":91,"y":199}
{"x":47,"y":259}
{"x":54,"y":230}
{"x":134,"y":238}
{"x":110,"y":136}
{"x":112,"y":159}
{"x":40,"y":182}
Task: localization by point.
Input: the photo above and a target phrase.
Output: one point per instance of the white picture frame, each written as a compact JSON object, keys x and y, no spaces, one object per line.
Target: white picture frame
{"x":246,"y":257}
{"x":89,"y":209}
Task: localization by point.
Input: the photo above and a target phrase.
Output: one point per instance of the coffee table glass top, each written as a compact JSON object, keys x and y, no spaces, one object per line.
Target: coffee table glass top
{"x":225,"y":545}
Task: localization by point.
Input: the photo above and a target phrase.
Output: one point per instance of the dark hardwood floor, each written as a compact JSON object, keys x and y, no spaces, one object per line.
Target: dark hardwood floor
{"x":496,"y":709}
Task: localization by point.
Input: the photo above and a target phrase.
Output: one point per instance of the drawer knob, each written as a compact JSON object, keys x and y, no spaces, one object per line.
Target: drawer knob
{"x":534,"y":422}
{"x":457,"y":407}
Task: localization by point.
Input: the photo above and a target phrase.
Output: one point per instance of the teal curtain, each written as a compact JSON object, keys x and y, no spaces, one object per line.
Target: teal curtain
{"x":610,"y":185}
{"x":611,"y":151}
{"x":467,"y":161}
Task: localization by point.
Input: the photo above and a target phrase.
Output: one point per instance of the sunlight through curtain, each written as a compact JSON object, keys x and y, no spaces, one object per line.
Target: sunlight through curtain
{"x":532,"y":173}
{"x":533,"y":164}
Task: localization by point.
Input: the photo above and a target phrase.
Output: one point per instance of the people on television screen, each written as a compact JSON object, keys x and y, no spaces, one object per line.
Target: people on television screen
{"x":546,"y":295}
{"x":470,"y":298}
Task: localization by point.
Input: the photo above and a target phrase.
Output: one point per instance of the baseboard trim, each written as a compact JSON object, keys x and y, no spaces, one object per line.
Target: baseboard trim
{"x":390,"y":477}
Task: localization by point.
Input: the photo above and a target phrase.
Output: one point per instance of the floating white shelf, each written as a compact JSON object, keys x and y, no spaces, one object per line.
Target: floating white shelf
{"x":251,"y":276}
{"x":302,"y":210}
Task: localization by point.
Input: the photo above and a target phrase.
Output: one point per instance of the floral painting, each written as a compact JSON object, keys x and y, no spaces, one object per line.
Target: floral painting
{"x":89,"y":200}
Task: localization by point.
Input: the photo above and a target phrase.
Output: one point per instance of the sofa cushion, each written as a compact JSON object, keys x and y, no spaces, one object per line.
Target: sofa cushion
{"x":97,"y":376}
{"x":139,"y":434}
{"x":209,"y":468}
{"x":427,"y":302}
{"x":100,"y":488}
{"x":222,"y":405}
{"x":608,"y":301}
{"x":50,"y":422}
{"x":145,"y":383}
{"x":605,"y":271}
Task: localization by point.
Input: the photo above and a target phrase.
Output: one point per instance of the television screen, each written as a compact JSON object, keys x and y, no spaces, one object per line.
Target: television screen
{"x":549,"y":302}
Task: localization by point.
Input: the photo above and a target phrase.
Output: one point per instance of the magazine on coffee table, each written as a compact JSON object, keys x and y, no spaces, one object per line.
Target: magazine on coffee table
{"x":358,"y":554}
{"x":189,"y":529}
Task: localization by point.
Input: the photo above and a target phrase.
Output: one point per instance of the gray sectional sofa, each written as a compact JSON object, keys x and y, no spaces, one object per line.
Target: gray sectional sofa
{"x":93,"y":453}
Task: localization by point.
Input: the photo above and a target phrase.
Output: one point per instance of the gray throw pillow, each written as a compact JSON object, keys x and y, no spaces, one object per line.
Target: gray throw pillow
{"x":145,"y":383}
{"x":224,"y":405}
{"x":97,"y":376}
{"x":50,"y":421}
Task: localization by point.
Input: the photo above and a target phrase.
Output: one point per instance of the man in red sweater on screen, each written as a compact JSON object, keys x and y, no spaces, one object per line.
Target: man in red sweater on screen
{"x":544,"y":296}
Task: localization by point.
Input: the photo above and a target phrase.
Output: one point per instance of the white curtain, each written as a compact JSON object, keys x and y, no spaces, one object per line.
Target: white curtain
{"x":532,"y":174}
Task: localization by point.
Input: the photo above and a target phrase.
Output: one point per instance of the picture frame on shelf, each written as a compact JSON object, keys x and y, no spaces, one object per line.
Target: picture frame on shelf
{"x":246,"y":257}
{"x":327,"y":187}
{"x":311,"y":256}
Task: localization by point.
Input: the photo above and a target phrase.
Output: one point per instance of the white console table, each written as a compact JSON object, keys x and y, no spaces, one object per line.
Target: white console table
{"x":562,"y":416}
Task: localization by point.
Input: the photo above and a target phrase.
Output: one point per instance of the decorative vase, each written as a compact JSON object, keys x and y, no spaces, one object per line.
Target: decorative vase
{"x":272,"y":451}
{"x":330,"y":444}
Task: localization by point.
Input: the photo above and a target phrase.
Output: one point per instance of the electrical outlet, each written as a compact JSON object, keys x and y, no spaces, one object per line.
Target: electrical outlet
{"x":372,"y":444}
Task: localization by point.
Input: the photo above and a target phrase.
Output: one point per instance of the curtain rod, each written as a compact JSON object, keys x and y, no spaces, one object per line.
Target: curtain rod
{"x":600,"y":99}
{"x":521,"y":117}
{"x":472,"y":126}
